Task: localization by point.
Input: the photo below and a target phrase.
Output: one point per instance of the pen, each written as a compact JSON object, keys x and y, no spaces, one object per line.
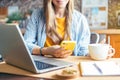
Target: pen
{"x":98,"y":68}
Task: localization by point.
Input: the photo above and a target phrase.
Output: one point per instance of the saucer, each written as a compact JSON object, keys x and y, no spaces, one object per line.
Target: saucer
{"x":67,"y":75}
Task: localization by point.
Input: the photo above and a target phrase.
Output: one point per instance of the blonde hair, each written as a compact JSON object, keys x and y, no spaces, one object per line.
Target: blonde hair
{"x":51,"y":22}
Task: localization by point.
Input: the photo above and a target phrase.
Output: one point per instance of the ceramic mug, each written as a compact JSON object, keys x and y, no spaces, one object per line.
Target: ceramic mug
{"x":100,"y":51}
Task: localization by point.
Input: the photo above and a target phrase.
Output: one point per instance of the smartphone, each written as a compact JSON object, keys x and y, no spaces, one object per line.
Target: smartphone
{"x":69,"y":45}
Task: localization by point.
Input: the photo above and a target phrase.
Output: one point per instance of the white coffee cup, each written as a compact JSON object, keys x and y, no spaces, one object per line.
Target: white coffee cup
{"x":100,"y":51}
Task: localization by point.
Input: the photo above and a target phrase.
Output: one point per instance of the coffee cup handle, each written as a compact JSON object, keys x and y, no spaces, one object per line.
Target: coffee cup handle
{"x":111,"y":52}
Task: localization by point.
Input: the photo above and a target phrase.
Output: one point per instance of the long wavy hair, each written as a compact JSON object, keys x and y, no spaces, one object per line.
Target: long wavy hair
{"x":49,"y":11}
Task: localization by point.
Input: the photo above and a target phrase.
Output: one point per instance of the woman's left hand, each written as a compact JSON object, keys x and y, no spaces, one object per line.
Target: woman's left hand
{"x":57,"y":51}
{"x":62,"y":53}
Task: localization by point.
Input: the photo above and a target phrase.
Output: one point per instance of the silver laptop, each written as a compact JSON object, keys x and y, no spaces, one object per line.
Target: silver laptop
{"x":15,"y":52}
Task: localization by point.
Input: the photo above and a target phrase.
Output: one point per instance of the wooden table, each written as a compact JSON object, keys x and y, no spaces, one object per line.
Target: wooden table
{"x":52,"y":75}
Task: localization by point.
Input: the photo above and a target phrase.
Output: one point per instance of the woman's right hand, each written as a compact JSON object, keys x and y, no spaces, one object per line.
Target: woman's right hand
{"x":57,"y":51}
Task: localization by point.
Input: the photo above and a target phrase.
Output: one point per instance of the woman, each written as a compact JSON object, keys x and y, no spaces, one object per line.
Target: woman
{"x":56,"y":22}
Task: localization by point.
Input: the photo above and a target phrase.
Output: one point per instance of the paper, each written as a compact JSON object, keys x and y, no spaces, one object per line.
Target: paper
{"x":99,"y":68}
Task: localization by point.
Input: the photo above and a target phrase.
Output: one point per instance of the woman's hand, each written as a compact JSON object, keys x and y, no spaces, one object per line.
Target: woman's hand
{"x":57,"y":51}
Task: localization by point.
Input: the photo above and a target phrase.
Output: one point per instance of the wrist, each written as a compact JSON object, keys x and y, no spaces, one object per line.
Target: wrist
{"x":41,"y":52}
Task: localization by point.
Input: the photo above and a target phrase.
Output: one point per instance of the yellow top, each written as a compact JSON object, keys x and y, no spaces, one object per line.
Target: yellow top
{"x":60,"y":30}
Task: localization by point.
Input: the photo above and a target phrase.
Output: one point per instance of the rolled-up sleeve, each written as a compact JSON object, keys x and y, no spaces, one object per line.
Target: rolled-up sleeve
{"x":85,"y":38}
{"x":82,"y":36}
{"x":31,"y":30}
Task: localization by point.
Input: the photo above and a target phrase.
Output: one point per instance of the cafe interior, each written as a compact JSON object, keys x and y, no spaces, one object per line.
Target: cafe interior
{"x":104,"y":22}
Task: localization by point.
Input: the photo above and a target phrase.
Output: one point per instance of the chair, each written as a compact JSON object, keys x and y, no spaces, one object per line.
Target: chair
{"x":1,"y":58}
{"x":94,"y":38}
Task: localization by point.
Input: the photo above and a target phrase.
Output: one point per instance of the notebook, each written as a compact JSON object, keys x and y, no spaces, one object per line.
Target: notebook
{"x":100,"y":68}
{"x":15,"y":52}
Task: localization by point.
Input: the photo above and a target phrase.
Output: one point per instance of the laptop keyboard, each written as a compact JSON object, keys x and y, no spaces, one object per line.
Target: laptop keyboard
{"x":42,"y":65}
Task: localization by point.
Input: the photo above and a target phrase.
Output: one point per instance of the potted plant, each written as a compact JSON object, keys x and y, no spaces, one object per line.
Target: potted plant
{"x":15,"y":17}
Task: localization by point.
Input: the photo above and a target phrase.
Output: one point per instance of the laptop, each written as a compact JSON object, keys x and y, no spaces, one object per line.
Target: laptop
{"x":15,"y":52}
